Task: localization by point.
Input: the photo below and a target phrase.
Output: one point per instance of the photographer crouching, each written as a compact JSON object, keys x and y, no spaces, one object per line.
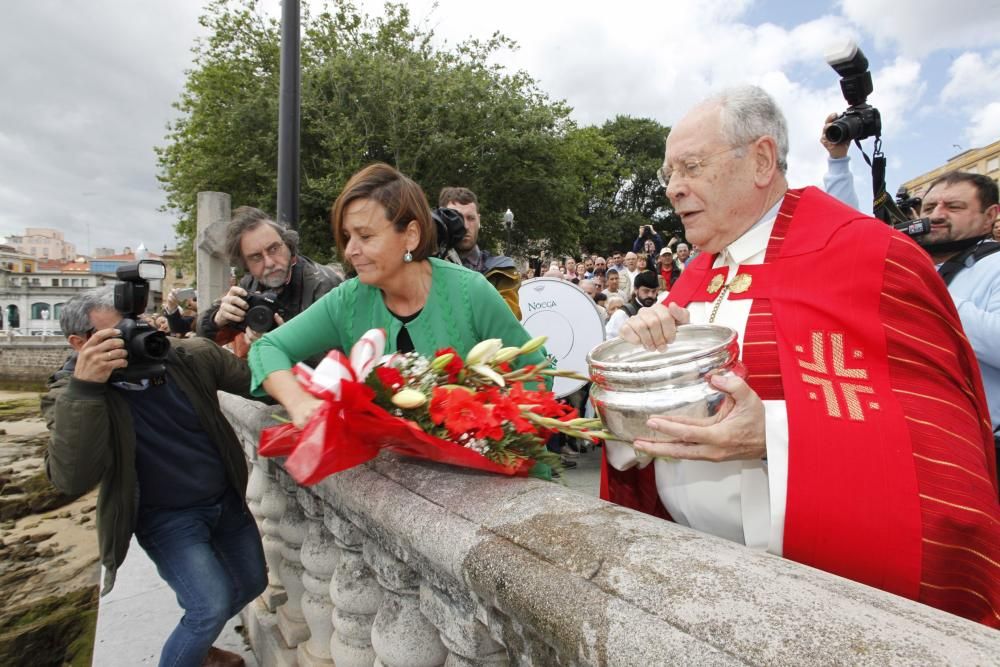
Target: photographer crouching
{"x":138,"y":414}
{"x":278,"y":284}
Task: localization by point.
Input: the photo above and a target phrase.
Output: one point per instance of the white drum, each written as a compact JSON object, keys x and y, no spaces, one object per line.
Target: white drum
{"x":562,"y":311}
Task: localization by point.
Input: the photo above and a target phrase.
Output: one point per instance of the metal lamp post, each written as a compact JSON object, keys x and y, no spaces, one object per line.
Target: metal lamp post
{"x":508,"y":222}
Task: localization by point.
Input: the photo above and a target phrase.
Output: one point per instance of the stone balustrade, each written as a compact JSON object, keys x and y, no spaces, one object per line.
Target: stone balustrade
{"x":403,"y":563}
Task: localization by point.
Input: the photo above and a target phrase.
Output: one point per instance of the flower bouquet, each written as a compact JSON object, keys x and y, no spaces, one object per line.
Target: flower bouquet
{"x":474,"y":412}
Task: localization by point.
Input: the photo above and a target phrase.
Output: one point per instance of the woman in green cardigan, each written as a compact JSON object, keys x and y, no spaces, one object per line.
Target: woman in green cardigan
{"x":383,"y":227}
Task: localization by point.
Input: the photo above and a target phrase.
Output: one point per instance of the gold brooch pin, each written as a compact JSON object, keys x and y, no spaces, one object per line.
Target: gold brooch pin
{"x":716,"y":283}
{"x":741,"y":283}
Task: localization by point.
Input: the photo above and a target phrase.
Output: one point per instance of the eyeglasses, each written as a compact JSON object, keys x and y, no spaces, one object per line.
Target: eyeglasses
{"x":689,"y":168}
{"x":269,"y":251}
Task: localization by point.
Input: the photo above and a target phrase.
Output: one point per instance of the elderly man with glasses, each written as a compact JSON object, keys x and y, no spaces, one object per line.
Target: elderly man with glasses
{"x":859,"y":441}
{"x":268,"y":252}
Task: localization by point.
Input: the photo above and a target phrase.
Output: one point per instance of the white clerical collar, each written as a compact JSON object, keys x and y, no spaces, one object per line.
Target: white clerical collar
{"x":754,"y":240}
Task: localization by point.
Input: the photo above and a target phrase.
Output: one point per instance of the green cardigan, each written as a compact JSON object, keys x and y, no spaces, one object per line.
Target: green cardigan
{"x":462,"y":309}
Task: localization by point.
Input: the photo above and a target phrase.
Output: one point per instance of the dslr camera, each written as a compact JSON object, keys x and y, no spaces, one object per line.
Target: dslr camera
{"x":260,"y":313}
{"x":450,"y":227}
{"x":861,"y":120}
{"x":146,"y":346}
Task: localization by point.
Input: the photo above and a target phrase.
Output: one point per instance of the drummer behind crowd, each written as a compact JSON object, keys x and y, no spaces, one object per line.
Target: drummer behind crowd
{"x":646,"y":285}
{"x":859,"y":442}
{"x":499,"y":270}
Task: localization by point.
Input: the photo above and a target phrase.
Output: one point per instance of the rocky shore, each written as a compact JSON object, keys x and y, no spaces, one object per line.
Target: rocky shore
{"x":49,"y":567}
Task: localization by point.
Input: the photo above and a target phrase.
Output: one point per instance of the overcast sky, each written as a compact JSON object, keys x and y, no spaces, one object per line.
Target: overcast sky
{"x":87,"y":86}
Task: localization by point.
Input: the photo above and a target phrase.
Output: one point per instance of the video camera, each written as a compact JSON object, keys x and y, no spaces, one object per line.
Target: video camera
{"x":861,"y":120}
{"x":261,"y":308}
{"x":146,"y":346}
{"x":450,"y":226}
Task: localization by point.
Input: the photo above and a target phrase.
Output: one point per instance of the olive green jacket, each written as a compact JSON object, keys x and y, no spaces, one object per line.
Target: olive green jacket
{"x":92,"y":440}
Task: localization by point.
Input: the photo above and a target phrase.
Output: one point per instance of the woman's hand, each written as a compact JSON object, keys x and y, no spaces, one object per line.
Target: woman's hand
{"x":298,"y":403}
{"x":302,"y":410}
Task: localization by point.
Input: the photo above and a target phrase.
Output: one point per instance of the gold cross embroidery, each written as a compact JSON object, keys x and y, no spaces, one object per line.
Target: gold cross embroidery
{"x":849,"y":381}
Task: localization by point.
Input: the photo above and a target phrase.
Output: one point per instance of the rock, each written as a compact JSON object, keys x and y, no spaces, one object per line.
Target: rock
{"x":84,"y":519}
{"x":40,"y":537}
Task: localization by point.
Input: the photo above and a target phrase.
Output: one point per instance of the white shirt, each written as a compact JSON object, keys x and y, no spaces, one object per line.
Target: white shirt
{"x":741,"y":500}
{"x":615,"y":322}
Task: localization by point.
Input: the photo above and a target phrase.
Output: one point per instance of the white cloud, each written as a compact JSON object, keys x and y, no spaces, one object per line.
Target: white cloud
{"x":985,"y":125}
{"x":974,"y":85}
{"x":919,"y":27}
{"x":972,"y":77}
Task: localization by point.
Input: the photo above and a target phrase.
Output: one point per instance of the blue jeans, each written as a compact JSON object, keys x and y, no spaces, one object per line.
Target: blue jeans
{"x":212,"y":558}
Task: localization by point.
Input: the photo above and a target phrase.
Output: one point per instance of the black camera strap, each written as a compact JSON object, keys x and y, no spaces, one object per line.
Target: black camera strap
{"x":966,"y":259}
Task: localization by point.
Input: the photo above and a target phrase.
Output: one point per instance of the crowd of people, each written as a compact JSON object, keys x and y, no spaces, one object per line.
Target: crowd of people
{"x":860,"y":442}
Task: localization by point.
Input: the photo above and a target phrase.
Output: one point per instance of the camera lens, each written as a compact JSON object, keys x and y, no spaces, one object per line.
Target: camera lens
{"x":843,"y":129}
{"x":154,"y":344}
{"x":260,"y":318}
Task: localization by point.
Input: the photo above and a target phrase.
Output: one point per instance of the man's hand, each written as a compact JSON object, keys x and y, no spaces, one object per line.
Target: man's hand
{"x":655,"y":327}
{"x":100,"y":355}
{"x":737,"y":432}
{"x":171,"y":304}
{"x":836,"y":151}
{"x":232,"y":308}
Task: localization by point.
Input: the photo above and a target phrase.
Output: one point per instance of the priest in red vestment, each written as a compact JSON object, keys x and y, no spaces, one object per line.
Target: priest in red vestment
{"x":860,"y":442}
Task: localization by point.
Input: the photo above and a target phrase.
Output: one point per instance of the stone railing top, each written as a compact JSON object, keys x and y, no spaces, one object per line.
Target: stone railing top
{"x":601,"y":584}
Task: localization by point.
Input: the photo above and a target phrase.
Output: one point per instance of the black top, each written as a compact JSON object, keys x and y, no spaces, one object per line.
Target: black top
{"x":403,"y":341}
{"x":176,"y":463}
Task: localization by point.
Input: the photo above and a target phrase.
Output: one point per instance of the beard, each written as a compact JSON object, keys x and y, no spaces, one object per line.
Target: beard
{"x":647,"y":302}
{"x":274,"y":280}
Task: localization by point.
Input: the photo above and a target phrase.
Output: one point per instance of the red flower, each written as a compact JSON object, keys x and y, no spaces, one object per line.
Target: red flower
{"x":454,"y":366}
{"x":458,"y":410}
{"x":390,"y":377}
{"x":505,"y":409}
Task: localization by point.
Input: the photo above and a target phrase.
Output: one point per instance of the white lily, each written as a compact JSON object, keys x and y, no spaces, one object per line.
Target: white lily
{"x":487,"y":372}
{"x":506,"y":354}
{"x":533,"y":344}
{"x":408,"y":399}
{"x":483,"y":351}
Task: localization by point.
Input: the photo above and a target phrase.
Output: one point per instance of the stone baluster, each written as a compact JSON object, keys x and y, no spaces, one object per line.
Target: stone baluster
{"x":256,"y":487}
{"x":401,"y":635}
{"x":292,"y":528}
{"x":319,"y":558}
{"x":272,"y":508}
{"x":468,"y":641}
{"x":355,"y":594}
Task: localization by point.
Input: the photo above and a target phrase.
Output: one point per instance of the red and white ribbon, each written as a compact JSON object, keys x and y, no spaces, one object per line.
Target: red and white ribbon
{"x":336,"y":367}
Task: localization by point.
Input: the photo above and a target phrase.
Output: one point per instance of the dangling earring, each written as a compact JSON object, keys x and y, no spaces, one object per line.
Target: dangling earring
{"x":408,"y":257}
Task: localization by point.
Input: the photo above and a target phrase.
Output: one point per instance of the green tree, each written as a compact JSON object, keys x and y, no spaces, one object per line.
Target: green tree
{"x":634,"y":196}
{"x":373,"y":89}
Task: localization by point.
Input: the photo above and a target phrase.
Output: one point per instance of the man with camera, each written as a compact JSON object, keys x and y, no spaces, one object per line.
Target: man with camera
{"x":499,"y":270}
{"x":962,"y":208}
{"x":858,"y":441}
{"x":138,"y":414}
{"x":279,"y":283}
{"x":647,"y":233}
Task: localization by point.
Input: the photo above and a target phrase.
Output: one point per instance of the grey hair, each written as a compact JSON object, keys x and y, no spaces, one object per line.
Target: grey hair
{"x":747,"y":113}
{"x":247,"y":218}
{"x":75,"y":315}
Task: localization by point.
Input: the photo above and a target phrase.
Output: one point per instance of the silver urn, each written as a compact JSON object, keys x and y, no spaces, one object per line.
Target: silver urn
{"x":631,"y":384}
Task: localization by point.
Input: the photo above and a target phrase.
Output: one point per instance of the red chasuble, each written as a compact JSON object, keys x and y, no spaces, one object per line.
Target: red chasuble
{"x":891,"y":464}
